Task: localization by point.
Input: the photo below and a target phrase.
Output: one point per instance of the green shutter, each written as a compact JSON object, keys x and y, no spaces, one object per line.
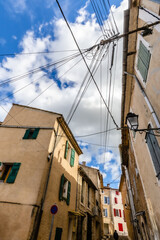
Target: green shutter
{"x":61,"y":188}
{"x":13,"y":173}
{"x":58,"y":234}
{"x":68,"y":192}
{"x":26,"y":134}
{"x":35,"y":133}
{"x":72,"y":157}
{"x":143,"y":60}
{"x":66,"y":150}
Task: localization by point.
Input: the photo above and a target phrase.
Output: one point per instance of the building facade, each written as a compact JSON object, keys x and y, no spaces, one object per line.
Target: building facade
{"x":113,"y":212}
{"x":39,"y":164}
{"x":94,"y":211}
{"x":140,"y":95}
{"x":88,"y":223}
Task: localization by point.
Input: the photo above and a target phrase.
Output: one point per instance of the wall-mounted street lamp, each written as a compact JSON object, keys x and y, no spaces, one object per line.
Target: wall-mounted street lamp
{"x":132,"y":123}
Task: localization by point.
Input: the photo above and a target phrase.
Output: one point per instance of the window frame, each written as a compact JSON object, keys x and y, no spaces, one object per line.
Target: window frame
{"x":154,"y":155}
{"x":29,"y":136}
{"x":64,"y":183}
{"x":147,"y":46}
{"x":104,"y":212}
{"x":9,"y":171}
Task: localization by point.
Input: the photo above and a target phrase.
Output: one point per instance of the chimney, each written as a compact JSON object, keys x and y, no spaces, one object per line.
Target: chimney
{"x":108,"y":185}
{"x":84,"y":163}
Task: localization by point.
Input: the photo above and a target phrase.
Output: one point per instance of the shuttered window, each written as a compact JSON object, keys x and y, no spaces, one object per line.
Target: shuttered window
{"x":64,"y":190}
{"x":72,"y":157}
{"x":66,"y":150}
{"x":120,"y":227}
{"x":115,"y":200}
{"x":31,"y":133}
{"x":143,"y":61}
{"x":154,"y":150}
{"x":8,"y":172}
{"x":120,"y":214}
{"x":58,"y":234}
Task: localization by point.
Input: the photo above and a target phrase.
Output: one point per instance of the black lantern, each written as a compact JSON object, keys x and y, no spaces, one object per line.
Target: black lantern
{"x":132,"y":121}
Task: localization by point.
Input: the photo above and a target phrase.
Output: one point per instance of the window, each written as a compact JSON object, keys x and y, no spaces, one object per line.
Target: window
{"x":89,"y":193}
{"x":154,"y":150}
{"x":105,"y":213}
{"x":58,"y":234}
{"x":31,"y":133}
{"x":115,"y":200}
{"x":82,"y":191}
{"x":106,"y":200}
{"x":65,"y":189}
{"x":8,"y":172}
{"x":120,"y":227}
{"x":69,"y":154}
{"x":117,"y":212}
{"x":143,"y":61}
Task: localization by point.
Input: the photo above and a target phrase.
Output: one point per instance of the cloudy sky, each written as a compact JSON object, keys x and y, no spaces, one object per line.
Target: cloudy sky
{"x":37,"y":31}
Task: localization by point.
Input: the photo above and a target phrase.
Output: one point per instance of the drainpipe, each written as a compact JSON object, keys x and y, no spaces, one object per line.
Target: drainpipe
{"x":153,"y":113}
{"x":38,"y":217}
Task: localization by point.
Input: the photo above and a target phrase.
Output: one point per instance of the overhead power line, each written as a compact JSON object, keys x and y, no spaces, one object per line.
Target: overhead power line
{"x":87,"y":65}
{"x":92,"y":134}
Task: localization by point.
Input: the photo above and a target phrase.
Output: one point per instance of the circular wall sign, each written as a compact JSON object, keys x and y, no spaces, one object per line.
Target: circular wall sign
{"x":54,"y":209}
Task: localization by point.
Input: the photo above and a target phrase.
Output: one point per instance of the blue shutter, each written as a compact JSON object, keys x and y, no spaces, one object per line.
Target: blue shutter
{"x":35,"y":133}
{"x":143,"y":60}
{"x":61,"y":188}
{"x":106,"y":214}
{"x":26,"y":134}
{"x":13,"y":173}
{"x":72,"y":157}
{"x":154,"y":150}
{"x":108,"y":200}
{"x":66,"y":150}
{"x":68,"y":193}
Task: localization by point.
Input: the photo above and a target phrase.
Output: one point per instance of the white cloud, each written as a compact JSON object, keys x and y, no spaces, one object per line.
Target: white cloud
{"x":88,"y":116}
{"x":15,"y":6}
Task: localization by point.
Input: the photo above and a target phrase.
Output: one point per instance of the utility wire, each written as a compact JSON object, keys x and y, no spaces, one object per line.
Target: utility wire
{"x":86,"y":64}
{"x":36,"y":53}
{"x":92,"y":134}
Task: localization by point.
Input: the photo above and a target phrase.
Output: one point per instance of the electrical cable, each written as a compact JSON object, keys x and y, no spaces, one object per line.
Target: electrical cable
{"x":86,"y":64}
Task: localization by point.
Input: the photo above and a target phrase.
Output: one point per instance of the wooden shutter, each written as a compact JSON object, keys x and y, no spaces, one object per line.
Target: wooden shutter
{"x":13,"y":173}
{"x":115,"y":200}
{"x":120,"y":227}
{"x":26,"y":134}
{"x":120,"y":214}
{"x":35,"y":133}
{"x":72,"y":157}
{"x":61,"y":188}
{"x":68,"y":193}
{"x":58,"y":234}
{"x":66,"y":150}
{"x":114,"y":212}
{"x":108,"y":200}
{"x":117,"y":193}
{"x":154,"y":151}
{"x":143,"y":60}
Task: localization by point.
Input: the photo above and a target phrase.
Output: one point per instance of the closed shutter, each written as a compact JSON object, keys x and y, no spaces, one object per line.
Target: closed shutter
{"x":154,"y":151}
{"x":13,"y":173}
{"x":68,"y":193}
{"x":120,"y":227}
{"x":114,"y":212}
{"x":61,"y":188}
{"x":106,"y":214}
{"x":26,"y":134}
{"x":115,"y":200}
{"x":108,"y":200}
{"x":72,"y":157}
{"x":66,"y":150}
{"x":58,"y":234}
{"x":143,"y":60}
{"x":120,"y":214}
{"x":35,"y":133}
{"x":117,"y":193}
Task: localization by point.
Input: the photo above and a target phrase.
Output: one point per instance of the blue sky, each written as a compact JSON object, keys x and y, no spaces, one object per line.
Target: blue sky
{"x":37,"y":26}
